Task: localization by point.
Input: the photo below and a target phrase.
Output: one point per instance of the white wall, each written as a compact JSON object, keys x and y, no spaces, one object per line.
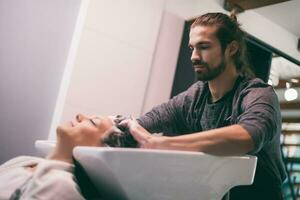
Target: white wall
{"x":164,"y":63}
{"x":123,"y":56}
{"x":35,"y":38}
{"x":111,"y":71}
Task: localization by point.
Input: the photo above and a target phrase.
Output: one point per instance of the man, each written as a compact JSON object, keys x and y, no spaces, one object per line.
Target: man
{"x":224,"y":113}
{"x":53,"y":178}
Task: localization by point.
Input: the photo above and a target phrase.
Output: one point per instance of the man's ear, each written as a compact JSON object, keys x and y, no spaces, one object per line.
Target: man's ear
{"x":232,"y":48}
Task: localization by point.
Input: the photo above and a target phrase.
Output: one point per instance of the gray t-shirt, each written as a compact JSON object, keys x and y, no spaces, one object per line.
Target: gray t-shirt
{"x":216,"y":114}
{"x":251,"y":104}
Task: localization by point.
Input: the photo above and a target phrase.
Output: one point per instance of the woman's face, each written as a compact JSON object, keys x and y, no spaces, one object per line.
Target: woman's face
{"x":85,"y":130}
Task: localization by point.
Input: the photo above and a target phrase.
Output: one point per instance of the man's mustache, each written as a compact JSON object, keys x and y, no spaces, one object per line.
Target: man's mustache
{"x":198,"y":62}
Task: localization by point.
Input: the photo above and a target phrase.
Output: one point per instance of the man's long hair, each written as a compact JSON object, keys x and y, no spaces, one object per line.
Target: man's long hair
{"x":228,"y":30}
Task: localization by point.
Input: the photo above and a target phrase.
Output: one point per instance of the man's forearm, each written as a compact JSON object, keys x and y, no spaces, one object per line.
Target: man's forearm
{"x":231,"y":140}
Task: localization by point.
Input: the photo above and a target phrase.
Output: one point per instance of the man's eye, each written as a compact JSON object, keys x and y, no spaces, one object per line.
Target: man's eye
{"x":203,"y":47}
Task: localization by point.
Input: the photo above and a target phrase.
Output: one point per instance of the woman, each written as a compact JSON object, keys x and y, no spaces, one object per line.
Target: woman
{"x":53,"y":177}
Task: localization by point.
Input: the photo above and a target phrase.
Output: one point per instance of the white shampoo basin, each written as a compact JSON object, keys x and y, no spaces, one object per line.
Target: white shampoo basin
{"x":140,"y":174}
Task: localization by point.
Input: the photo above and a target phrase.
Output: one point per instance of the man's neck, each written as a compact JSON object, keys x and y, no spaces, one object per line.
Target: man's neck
{"x":223,"y":83}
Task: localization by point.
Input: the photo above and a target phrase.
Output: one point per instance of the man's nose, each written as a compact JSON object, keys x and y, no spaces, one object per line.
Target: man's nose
{"x":80,"y":117}
{"x":195,"y":55}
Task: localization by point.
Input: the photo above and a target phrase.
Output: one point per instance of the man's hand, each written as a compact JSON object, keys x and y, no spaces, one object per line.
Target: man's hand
{"x":141,"y":135}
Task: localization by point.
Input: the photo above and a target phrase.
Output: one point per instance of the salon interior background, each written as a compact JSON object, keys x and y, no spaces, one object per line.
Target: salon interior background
{"x":60,"y":57}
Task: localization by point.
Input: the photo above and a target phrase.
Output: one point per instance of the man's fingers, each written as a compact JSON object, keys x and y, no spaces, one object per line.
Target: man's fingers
{"x":140,"y":134}
{"x":124,"y":123}
{"x":112,"y":131}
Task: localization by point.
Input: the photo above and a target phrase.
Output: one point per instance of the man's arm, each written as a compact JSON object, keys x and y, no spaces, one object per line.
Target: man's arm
{"x":258,"y":123}
{"x":227,"y":141}
{"x":230,"y":140}
{"x":170,"y":117}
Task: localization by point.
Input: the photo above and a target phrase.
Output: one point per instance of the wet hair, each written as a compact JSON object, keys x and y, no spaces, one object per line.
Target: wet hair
{"x":228,"y":30}
{"x":120,"y":136}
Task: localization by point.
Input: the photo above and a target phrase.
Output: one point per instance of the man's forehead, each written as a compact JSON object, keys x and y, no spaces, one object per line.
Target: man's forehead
{"x":203,"y":33}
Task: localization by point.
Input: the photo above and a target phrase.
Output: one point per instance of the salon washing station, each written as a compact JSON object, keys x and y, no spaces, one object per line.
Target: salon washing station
{"x":137,"y":174}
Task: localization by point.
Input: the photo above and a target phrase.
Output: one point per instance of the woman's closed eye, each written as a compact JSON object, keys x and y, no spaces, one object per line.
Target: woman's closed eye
{"x":92,"y":121}
{"x":96,"y":121}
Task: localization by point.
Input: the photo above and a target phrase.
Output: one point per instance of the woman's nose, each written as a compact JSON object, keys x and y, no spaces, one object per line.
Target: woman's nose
{"x":80,"y":117}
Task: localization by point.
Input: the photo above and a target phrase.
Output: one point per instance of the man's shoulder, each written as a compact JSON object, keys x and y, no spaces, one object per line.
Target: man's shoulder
{"x":254,"y":84}
{"x":256,"y":89}
{"x":190,"y":94}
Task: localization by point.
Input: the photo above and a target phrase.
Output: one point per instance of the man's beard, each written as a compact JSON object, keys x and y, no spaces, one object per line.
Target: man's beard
{"x":210,"y":73}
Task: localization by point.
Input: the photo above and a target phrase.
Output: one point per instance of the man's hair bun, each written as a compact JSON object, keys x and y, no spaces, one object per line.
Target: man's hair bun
{"x":232,"y":15}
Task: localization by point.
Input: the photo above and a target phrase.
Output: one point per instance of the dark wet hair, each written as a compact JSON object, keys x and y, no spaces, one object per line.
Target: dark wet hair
{"x":120,"y":137}
{"x":228,"y":30}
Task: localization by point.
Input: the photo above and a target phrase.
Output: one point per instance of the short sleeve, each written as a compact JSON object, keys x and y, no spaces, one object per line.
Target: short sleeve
{"x":260,"y":114}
